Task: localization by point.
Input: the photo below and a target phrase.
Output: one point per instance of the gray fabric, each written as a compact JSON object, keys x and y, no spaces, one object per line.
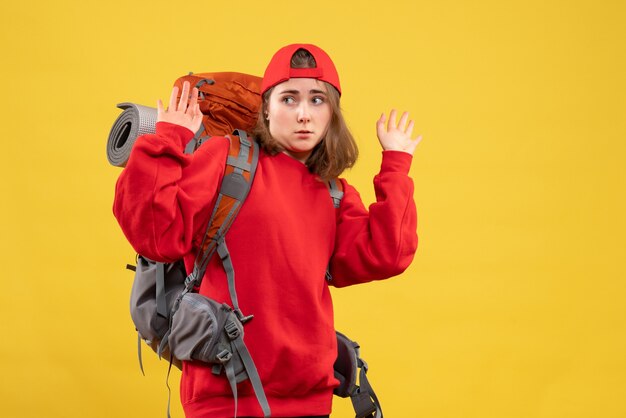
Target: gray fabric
{"x":134,"y":121}
{"x":366,"y":404}
{"x":195,"y":141}
{"x":230,"y":375}
{"x":255,"y":157}
{"x":143,"y":301}
{"x":203,"y":82}
{"x":335,"y":193}
{"x":161,"y":304}
{"x":204,"y":330}
{"x":195,"y":328}
{"x":235,"y":186}
{"x":139,"y":354}
{"x":244,"y":152}
{"x":199,"y":332}
{"x":227,"y":263}
{"x":348,"y":364}
{"x":253,"y":374}
{"x":363,"y":405}
{"x":346,"y":367}
{"x":241,"y":164}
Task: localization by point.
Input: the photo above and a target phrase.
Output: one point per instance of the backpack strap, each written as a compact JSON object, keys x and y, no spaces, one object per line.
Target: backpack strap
{"x":364,"y":400}
{"x":238,"y":346}
{"x":197,"y":140}
{"x":335,"y":187}
{"x":348,"y":364}
{"x":236,"y":183}
{"x":238,"y":175}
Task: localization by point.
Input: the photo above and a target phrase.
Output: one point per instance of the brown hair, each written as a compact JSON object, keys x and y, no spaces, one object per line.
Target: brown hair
{"x":336,"y":152}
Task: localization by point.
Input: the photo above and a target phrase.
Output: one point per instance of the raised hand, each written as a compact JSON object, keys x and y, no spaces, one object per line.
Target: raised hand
{"x":396,"y":136}
{"x":185,"y":113}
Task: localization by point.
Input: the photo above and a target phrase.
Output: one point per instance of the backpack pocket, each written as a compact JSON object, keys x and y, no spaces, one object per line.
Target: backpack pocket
{"x":195,"y":328}
{"x":203,"y":330}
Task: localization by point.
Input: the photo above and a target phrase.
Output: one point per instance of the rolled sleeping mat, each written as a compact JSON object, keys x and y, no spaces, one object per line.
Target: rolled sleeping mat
{"x":134,"y":121}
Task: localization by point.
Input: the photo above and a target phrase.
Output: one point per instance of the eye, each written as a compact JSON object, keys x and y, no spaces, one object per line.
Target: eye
{"x":318,"y":100}
{"x":288,"y":100}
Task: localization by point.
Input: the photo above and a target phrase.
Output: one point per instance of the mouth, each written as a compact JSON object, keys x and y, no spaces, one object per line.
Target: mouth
{"x":304,"y":134}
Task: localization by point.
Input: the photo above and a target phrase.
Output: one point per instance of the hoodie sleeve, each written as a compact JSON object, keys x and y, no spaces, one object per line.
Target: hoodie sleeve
{"x":163,"y":196}
{"x":379,"y":243}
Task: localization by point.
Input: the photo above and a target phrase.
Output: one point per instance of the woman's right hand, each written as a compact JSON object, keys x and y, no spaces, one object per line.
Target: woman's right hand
{"x":396,"y":136}
{"x":185,"y":113}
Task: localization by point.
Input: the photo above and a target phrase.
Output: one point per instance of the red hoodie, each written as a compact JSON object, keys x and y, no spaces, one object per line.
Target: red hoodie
{"x":281,"y":243}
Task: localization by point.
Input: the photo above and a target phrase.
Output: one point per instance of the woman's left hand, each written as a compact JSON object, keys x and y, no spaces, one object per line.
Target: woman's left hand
{"x":396,"y":137}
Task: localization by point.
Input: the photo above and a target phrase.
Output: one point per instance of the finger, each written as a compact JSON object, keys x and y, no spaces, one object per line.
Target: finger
{"x":197,"y":112}
{"x":184,"y":97}
{"x":416,"y":141}
{"x":172,"y":104}
{"x":380,"y":125}
{"x":403,"y":118}
{"x":409,"y":129}
{"x":198,"y":116}
{"x":194,"y":99}
{"x":413,"y":144}
{"x":160,"y":110}
{"x":392,"y":120}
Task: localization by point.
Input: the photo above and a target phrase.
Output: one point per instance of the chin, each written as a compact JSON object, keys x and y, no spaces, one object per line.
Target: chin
{"x":301,"y":148}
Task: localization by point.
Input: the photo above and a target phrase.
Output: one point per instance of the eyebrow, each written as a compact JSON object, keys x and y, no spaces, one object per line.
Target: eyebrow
{"x":297,"y":92}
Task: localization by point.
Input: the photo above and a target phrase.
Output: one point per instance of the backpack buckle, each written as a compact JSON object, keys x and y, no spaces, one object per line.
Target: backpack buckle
{"x":241,"y":317}
{"x":231,"y":330}
{"x":223,"y":356}
{"x":190,"y":281}
{"x":363,"y":404}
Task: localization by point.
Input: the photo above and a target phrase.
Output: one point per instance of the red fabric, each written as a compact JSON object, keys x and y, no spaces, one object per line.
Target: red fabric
{"x":279,"y":69}
{"x":280,"y":244}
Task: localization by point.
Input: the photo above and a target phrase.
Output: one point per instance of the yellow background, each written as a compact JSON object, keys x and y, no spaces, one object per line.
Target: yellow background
{"x":514,"y":306}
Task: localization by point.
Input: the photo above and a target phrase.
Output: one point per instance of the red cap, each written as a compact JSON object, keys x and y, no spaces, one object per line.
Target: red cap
{"x":279,"y":68}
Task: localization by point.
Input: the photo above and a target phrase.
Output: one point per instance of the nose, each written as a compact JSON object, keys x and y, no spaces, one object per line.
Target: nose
{"x":304,"y":115}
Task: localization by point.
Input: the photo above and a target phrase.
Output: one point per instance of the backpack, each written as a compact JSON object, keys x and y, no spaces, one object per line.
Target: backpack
{"x":180,"y":324}
{"x":228,"y":100}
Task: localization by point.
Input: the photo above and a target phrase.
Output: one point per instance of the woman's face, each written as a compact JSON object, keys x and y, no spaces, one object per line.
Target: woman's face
{"x":299,"y":114}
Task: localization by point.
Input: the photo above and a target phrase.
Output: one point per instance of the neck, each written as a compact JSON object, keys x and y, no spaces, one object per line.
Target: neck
{"x":300,"y":156}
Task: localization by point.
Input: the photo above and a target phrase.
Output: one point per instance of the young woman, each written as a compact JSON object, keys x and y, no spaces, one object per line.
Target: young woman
{"x":287,"y":233}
